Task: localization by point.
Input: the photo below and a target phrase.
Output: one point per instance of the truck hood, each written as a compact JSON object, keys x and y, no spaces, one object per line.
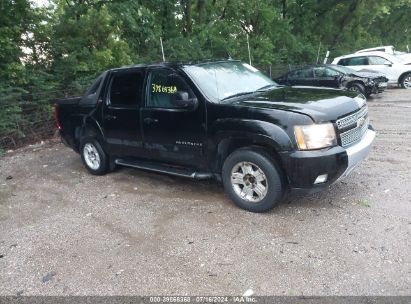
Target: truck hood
{"x":318,"y":103}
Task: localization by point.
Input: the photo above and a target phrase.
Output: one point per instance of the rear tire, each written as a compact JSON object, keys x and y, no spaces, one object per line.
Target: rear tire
{"x":406,"y":81}
{"x":93,"y":156}
{"x":253,"y":180}
{"x":357,"y":87}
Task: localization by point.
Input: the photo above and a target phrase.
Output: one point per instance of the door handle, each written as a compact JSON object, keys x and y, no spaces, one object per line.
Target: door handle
{"x":110,"y":117}
{"x":149,"y":120}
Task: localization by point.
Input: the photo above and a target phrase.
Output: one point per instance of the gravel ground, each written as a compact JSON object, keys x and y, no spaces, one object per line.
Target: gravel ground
{"x":65,"y":232}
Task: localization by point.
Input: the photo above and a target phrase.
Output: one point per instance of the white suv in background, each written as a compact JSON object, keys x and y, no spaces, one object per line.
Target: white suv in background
{"x":389,"y":50}
{"x":398,"y":71}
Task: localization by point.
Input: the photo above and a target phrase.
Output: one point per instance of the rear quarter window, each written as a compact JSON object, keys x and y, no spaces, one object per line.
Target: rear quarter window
{"x":91,"y":95}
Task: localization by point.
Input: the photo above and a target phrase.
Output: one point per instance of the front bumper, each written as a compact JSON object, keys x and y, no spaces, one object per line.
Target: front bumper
{"x":378,"y":87}
{"x":382,"y":86}
{"x":304,"y":167}
{"x":358,"y":152}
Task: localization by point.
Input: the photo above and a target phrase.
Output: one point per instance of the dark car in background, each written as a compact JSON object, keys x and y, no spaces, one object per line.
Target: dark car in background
{"x":334,"y":76}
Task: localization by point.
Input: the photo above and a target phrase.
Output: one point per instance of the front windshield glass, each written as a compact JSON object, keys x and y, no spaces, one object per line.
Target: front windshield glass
{"x":222,"y":80}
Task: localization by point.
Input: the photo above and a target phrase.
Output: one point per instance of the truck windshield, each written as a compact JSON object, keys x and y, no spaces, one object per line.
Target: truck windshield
{"x":223,"y":80}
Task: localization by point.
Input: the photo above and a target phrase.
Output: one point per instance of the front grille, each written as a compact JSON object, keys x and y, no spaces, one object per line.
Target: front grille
{"x":353,"y":126}
{"x":352,"y":136}
{"x":352,"y":119}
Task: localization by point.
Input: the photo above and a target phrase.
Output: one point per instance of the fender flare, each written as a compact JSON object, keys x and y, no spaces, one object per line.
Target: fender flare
{"x":243,"y":133}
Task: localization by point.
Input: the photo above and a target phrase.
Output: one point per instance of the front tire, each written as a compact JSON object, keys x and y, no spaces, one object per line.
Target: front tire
{"x":93,"y":156}
{"x":253,"y":180}
{"x":357,"y":87}
{"x":406,"y":81}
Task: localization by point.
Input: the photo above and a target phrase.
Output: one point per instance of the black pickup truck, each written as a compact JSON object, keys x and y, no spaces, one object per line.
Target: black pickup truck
{"x":220,"y":119}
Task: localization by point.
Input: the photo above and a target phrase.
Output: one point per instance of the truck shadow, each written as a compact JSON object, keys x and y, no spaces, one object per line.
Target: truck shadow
{"x":212,"y":191}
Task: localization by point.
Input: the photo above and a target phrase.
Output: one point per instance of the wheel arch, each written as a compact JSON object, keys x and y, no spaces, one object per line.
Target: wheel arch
{"x":229,"y":135}
{"x":349,"y":84}
{"x":402,"y":76}
{"x":89,"y":127}
{"x":229,"y":145}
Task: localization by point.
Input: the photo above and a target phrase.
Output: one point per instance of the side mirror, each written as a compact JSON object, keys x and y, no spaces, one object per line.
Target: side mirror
{"x":388,"y":64}
{"x":182,"y":100}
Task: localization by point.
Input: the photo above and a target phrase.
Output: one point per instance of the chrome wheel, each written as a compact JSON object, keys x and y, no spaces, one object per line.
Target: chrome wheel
{"x":91,"y":156}
{"x":407,"y":82}
{"x":249,"y":182}
{"x":354,"y":89}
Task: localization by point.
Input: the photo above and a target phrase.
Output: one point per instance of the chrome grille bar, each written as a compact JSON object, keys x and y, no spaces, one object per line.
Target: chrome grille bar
{"x":352,"y":119}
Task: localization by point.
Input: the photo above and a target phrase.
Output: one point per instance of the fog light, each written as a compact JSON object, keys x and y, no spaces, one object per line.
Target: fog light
{"x":321,"y":179}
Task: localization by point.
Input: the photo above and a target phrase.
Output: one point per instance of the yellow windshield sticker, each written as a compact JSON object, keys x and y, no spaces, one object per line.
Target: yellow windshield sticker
{"x":158,"y":88}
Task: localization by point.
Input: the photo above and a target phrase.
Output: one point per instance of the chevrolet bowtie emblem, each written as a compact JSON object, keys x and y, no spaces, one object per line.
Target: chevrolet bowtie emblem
{"x":360,"y":122}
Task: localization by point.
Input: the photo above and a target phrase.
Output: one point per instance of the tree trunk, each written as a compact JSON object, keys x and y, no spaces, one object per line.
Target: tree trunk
{"x":188,"y":18}
{"x":284,"y":12}
{"x":344,"y":21}
{"x":200,"y":10}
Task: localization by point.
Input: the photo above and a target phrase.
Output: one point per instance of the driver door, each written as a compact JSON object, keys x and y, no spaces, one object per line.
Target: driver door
{"x":327,"y":77}
{"x":172,"y":132}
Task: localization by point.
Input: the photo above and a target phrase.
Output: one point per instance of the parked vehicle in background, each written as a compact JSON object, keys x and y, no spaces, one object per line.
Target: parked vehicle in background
{"x":223,"y":120}
{"x":398,"y":71}
{"x":334,"y":76}
{"x":389,"y":50}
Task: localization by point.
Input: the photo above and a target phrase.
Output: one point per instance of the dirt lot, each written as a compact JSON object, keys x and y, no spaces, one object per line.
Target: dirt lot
{"x":65,"y":232}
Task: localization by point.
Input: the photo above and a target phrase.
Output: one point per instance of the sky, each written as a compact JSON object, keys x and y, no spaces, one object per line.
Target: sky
{"x":40,"y":2}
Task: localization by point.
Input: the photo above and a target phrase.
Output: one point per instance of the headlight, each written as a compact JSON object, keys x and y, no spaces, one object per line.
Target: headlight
{"x":318,"y":136}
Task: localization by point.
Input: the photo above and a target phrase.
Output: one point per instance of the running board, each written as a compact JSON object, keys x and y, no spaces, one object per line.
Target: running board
{"x":149,"y":166}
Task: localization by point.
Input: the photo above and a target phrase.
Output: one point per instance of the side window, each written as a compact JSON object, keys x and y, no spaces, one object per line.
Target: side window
{"x":356,"y":61}
{"x":343,"y":62}
{"x":126,"y":88}
{"x":331,"y":73}
{"x":320,"y":72}
{"x":164,"y":86}
{"x":301,"y":74}
{"x":376,"y":60}
{"x":90,"y":97}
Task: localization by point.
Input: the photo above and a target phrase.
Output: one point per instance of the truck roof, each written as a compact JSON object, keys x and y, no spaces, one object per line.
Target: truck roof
{"x":173,"y":64}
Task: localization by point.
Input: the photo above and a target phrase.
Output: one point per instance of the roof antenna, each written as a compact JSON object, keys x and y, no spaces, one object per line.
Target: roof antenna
{"x":162,"y":49}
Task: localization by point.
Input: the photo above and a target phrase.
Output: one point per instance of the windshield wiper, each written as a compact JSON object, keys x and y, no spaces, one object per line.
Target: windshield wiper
{"x":236,"y":95}
{"x":265,"y":88}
